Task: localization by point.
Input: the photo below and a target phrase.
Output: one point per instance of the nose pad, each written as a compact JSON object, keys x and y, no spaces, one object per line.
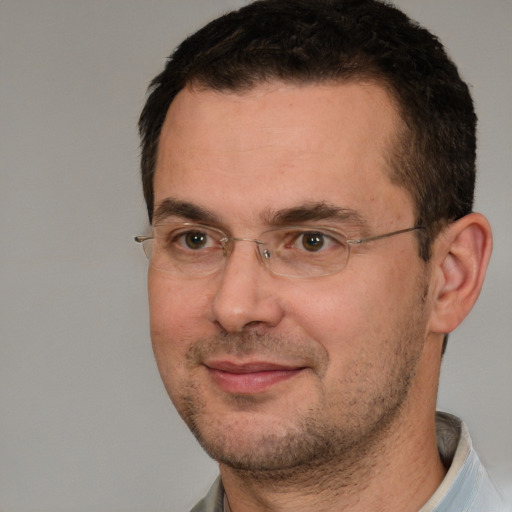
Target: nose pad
{"x":228,"y":245}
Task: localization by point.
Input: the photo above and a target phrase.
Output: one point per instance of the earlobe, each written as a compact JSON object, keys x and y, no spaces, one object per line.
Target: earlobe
{"x":461,"y":255}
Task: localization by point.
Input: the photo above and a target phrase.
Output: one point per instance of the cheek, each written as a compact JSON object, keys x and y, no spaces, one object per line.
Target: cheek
{"x":333,"y":304}
{"x":357,"y":312}
{"x":177,"y":312}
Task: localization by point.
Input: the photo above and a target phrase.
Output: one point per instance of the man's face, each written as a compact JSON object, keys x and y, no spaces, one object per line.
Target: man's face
{"x":272,"y":372}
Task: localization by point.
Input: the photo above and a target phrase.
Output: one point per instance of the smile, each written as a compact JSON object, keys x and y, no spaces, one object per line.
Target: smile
{"x":249,"y":378}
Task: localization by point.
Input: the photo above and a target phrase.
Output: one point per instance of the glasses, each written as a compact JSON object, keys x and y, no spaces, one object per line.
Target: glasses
{"x":190,"y":250}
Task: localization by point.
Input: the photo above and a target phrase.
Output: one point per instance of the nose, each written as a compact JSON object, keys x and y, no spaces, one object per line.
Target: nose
{"x":246,"y":294}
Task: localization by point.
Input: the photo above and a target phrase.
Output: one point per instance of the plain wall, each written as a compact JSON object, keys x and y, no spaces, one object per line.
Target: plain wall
{"x":85,"y":424}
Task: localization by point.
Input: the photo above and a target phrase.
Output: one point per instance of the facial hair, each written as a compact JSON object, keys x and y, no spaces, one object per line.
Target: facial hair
{"x":365,"y":407}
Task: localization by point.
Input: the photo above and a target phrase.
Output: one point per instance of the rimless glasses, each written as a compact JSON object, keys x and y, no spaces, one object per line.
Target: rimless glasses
{"x":190,"y":250}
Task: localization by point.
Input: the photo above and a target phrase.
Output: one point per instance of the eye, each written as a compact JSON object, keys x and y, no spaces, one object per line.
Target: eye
{"x":308,"y":241}
{"x":186,"y":239}
{"x":313,"y":241}
{"x":194,"y":240}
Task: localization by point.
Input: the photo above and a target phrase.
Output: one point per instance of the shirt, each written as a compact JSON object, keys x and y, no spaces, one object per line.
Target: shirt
{"x":465,"y":488}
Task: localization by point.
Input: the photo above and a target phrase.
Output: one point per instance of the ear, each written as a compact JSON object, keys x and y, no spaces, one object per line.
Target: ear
{"x":460,"y":257}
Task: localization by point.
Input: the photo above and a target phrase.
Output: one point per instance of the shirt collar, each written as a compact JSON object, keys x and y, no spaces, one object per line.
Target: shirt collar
{"x":454,"y":445}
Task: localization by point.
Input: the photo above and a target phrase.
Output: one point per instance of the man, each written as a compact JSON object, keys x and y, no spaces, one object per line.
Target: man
{"x":308,"y":168}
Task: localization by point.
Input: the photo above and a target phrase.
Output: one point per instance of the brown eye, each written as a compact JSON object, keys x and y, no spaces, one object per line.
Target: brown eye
{"x":195,"y":239}
{"x":313,"y":241}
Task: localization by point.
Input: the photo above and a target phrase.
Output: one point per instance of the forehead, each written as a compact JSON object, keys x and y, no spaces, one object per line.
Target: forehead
{"x":279,"y":145}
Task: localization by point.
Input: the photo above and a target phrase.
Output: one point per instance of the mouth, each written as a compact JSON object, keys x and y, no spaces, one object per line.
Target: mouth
{"x":251,"y":377}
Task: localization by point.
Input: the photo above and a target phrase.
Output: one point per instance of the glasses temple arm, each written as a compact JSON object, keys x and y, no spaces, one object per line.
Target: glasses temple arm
{"x":385,"y":235}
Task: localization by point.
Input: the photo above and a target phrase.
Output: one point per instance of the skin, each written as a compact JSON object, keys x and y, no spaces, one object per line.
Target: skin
{"x":311,"y":393}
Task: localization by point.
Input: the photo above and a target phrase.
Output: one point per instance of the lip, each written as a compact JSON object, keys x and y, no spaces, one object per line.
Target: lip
{"x":250,"y":377}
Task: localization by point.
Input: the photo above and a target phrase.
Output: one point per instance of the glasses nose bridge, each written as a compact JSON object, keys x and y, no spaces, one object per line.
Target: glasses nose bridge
{"x":228,"y":244}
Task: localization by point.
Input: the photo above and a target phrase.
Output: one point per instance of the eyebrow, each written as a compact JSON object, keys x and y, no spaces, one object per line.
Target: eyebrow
{"x":307,"y":212}
{"x":315,"y":211}
{"x":171,"y":207}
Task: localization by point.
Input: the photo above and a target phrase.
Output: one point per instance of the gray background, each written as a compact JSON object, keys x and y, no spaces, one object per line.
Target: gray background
{"x":85,"y":424}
